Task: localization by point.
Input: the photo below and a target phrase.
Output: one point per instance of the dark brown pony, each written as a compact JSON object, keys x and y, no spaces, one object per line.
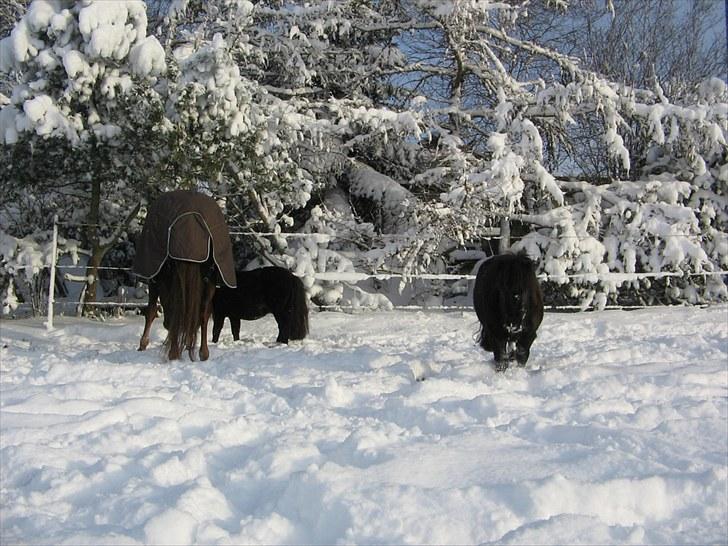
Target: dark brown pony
{"x":509,"y":305}
{"x":184,"y":252}
{"x":259,"y":292}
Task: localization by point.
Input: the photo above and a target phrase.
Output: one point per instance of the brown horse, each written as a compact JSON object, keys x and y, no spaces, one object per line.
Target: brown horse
{"x":185,"y":291}
{"x":184,"y":252}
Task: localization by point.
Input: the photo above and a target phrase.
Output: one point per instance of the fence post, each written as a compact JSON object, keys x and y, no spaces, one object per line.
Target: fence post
{"x":52,"y":281}
{"x":504,"y":243}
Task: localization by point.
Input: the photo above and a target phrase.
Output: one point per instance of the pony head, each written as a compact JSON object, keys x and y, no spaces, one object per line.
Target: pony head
{"x":514,"y":279}
{"x":513,"y":301}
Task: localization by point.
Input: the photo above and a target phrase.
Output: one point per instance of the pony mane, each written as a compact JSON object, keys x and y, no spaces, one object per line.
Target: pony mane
{"x":514,"y":270}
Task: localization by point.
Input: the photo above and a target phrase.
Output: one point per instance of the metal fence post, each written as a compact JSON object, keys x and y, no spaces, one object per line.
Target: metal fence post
{"x":52,"y":281}
{"x":504,"y":243}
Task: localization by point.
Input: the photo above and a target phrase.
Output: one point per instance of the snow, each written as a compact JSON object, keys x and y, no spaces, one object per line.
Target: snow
{"x":147,"y":57}
{"x":75,"y":63}
{"x":366,"y":182}
{"x":110,"y":28}
{"x":385,"y":427}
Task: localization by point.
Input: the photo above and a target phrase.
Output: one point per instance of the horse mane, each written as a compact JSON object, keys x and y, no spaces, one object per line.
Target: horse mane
{"x":183,"y":307}
{"x":513,"y":270}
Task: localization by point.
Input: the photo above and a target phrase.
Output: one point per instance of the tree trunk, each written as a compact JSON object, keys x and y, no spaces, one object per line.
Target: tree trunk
{"x":99,"y":248}
{"x":97,"y":252}
{"x":92,"y":275}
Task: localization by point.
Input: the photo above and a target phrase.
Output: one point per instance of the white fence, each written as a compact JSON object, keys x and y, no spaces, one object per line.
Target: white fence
{"x":350,"y":277}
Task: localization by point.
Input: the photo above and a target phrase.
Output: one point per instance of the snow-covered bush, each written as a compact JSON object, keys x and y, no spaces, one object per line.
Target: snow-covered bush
{"x":388,"y":135}
{"x":24,"y":270}
{"x":670,"y":217}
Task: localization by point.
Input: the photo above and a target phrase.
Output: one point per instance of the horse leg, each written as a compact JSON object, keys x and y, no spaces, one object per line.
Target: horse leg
{"x":523,"y":349}
{"x":150,"y":313}
{"x":284,"y":327}
{"x":487,"y":341}
{"x":205,"y":317}
{"x":235,"y":327}
{"x":500,"y":353}
{"x":218,"y":320}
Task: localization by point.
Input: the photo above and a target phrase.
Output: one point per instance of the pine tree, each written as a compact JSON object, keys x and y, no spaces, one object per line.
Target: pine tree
{"x":78,"y":129}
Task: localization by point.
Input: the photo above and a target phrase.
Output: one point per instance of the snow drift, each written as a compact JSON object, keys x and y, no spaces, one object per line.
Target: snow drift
{"x":379,"y":428}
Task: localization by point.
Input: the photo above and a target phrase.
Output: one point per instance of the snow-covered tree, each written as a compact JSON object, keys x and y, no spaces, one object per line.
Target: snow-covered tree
{"x":297,"y":69}
{"x":502,"y":128}
{"x":78,"y":130}
{"x":389,"y":134}
{"x":436,"y":122}
{"x":232,"y":134}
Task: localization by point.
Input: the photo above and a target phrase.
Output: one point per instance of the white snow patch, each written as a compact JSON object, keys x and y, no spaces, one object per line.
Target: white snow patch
{"x":386,"y":428}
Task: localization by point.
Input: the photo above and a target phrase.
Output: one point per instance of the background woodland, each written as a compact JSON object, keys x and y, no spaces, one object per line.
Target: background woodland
{"x":390,"y":136}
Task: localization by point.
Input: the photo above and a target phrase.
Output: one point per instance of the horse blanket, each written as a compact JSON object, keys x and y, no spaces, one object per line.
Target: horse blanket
{"x":184,"y":225}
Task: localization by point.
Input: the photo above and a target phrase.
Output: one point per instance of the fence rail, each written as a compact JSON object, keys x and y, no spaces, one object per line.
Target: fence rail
{"x":353,"y":277}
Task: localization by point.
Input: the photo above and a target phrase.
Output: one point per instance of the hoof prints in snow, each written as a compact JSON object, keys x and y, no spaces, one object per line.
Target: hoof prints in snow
{"x":379,"y":428}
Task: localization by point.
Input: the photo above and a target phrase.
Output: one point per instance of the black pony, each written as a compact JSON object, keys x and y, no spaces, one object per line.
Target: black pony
{"x":259,"y":292}
{"x":508,"y":301}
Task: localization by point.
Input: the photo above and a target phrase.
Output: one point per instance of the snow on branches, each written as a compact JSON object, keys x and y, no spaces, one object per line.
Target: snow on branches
{"x":70,"y":56}
{"x":402,"y":130}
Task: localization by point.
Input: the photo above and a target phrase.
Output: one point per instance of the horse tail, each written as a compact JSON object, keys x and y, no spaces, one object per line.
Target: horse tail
{"x":299,"y":310}
{"x":183,"y":307}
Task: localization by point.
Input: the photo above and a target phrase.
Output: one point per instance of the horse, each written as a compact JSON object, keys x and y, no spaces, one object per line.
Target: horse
{"x":184,"y":252}
{"x":185,"y":290}
{"x":260,"y":292}
{"x":509,"y":305}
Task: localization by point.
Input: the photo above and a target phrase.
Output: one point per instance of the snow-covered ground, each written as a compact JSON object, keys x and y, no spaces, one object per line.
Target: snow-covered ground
{"x":381,"y":428}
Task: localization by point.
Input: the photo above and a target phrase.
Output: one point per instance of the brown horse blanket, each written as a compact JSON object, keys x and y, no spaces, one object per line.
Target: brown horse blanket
{"x":184,"y":225}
